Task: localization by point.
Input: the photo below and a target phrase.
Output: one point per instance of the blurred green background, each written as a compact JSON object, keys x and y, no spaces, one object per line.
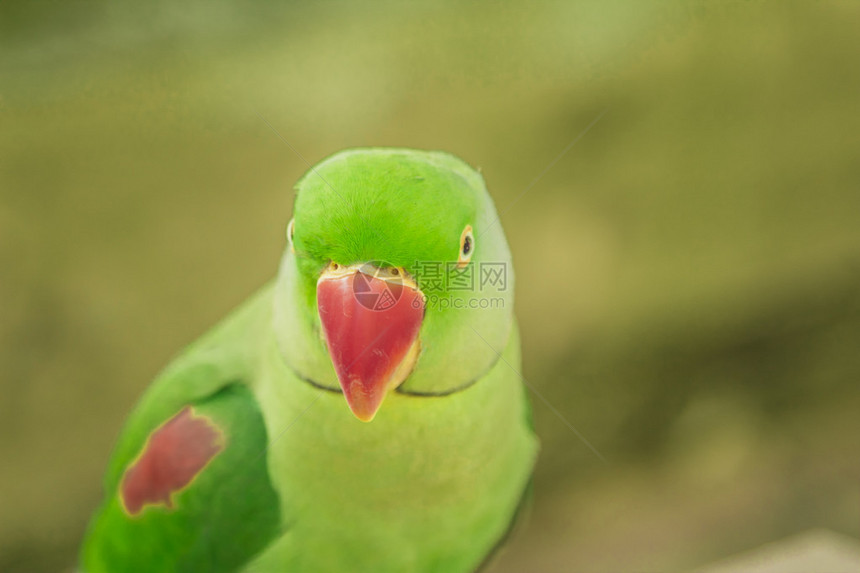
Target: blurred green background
{"x":688,"y":273}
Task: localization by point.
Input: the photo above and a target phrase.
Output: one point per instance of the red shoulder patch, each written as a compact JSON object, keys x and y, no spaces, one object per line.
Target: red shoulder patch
{"x":174,"y":454}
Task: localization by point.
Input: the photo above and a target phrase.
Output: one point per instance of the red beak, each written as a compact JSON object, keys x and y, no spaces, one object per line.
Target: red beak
{"x":371,"y":325}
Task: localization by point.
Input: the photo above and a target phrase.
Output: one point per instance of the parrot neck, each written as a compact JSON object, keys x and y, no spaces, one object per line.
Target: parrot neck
{"x":427,"y":472}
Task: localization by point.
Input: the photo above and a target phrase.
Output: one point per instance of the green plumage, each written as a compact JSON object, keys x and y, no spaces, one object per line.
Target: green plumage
{"x":431,"y":484}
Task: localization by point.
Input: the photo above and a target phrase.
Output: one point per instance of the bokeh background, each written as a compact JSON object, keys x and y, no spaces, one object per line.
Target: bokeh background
{"x":688,"y":271}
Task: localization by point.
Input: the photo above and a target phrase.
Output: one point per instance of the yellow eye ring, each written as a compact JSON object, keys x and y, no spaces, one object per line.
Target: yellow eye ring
{"x":291,"y":230}
{"x":467,"y":247}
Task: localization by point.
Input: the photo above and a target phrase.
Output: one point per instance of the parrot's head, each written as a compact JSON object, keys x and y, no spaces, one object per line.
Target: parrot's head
{"x":397,"y":277}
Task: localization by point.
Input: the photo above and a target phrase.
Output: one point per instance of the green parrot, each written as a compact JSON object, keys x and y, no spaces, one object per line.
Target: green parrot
{"x":265,"y":445}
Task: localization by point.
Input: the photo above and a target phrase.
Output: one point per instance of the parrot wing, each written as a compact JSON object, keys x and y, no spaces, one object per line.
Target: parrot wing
{"x":188,"y":487}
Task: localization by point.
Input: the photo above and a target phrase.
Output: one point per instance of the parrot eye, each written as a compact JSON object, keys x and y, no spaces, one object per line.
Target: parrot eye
{"x":291,"y":230}
{"x":467,"y":247}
